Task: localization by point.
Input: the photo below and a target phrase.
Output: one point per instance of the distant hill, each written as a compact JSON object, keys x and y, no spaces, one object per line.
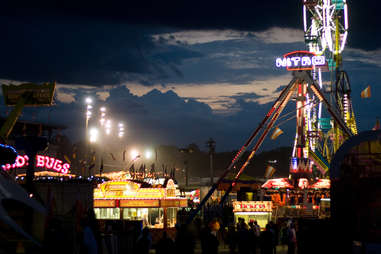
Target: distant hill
{"x":198,"y":162}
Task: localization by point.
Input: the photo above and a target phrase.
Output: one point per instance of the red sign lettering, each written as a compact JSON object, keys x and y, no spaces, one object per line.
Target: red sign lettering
{"x":41,"y":162}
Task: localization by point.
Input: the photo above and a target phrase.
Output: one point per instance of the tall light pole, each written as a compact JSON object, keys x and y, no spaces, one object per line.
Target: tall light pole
{"x":212,"y":145}
{"x":121,"y":130}
{"x":186,"y":151}
{"x":89,"y":107}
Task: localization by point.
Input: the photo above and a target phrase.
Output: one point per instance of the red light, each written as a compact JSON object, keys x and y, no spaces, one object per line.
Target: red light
{"x":40,"y":161}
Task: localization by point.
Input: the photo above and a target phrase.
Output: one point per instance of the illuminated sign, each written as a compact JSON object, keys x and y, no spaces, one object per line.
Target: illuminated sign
{"x":104,"y":203}
{"x":139,"y":203}
{"x":41,"y":162}
{"x":300,"y":60}
{"x":252,"y":206}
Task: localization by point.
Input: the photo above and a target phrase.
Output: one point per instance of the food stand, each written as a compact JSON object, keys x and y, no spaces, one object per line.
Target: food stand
{"x":156,"y":207}
{"x":260,"y":211}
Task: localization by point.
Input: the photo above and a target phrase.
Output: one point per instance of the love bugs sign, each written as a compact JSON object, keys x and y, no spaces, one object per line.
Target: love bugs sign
{"x":41,"y":162}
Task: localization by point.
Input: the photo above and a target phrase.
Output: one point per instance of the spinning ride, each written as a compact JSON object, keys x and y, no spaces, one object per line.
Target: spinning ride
{"x":320,"y":131}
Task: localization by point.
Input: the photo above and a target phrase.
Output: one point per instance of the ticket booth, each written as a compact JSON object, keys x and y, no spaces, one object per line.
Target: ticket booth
{"x":259,"y":211}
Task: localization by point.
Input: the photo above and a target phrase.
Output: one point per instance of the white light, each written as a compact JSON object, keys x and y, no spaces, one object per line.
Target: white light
{"x":148,"y":154}
{"x":88,"y":100}
{"x":297,"y":62}
{"x":134,"y":154}
{"x":93,"y":135}
{"x":108,"y":131}
{"x":89,"y":107}
{"x":102,"y":109}
{"x":120,"y":125}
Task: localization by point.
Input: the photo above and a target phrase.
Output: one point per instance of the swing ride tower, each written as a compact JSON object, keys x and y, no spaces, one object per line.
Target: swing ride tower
{"x":321,"y":90}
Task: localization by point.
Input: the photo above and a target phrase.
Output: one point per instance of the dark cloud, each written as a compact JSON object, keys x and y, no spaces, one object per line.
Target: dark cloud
{"x":83,"y":51}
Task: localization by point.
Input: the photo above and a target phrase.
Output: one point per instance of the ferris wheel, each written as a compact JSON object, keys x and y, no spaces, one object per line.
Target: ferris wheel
{"x":325,"y":25}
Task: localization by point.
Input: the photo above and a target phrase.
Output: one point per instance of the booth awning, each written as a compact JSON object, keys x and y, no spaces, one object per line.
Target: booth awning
{"x":277,"y":183}
{"x":321,"y":184}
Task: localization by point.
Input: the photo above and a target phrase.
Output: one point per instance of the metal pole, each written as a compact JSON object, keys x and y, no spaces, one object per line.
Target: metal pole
{"x":211,"y":168}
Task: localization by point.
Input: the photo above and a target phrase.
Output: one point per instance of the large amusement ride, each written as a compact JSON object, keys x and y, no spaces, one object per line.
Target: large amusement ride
{"x":322,"y":92}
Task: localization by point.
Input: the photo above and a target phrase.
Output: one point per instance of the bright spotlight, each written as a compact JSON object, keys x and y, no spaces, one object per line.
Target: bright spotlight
{"x":88,"y":100}
{"x":134,"y":154}
{"x":103,"y":109}
{"x":148,"y":154}
{"x":93,"y":135}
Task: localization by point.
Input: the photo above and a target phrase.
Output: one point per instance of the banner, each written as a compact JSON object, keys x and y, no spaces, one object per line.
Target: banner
{"x":269,"y":171}
{"x":276,"y":133}
{"x":366,"y":93}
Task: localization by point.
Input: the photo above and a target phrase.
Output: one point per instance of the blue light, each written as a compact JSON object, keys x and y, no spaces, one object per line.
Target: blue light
{"x":294,"y":163}
{"x":7,"y":146}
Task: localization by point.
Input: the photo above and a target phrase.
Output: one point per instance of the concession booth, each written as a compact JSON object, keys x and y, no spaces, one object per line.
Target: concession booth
{"x":155,"y":206}
{"x":259,"y":211}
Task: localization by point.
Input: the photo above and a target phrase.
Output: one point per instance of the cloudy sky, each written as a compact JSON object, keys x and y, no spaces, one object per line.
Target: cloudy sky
{"x":175,"y":72}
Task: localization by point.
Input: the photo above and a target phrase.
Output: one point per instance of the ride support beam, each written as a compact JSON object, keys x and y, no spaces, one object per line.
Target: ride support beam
{"x":274,"y":107}
{"x":279,"y":110}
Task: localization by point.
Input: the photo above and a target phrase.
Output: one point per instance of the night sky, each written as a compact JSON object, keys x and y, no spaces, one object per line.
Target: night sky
{"x":175,"y":72}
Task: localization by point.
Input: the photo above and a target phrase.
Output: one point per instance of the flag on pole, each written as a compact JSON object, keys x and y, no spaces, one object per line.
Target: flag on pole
{"x":366,"y":93}
{"x":74,"y":152}
{"x":276,"y":133}
{"x":377,"y":125}
{"x":269,"y":171}
{"x":153,"y":168}
{"x":132,"y":170}
{"x":101,"y":167}
{"x":67,"y":159}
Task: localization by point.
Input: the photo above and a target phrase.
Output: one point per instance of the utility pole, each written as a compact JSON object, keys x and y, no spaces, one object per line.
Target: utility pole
{"x":212,"y":145}
{"x":186,"y":152}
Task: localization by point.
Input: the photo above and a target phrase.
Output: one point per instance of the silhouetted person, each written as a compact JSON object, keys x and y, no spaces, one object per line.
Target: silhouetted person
{"x":274,"y":232}
{"x":54,"y":236}
{"x":267,"y":241}
{"x":143,"y":244}
{"x":231,"y":239}
{"x":89,"y":243}
{"x":165,"y":245}
{"x":184,"y":242}
{"x":291,"y":238}
{"x":243,"y":239}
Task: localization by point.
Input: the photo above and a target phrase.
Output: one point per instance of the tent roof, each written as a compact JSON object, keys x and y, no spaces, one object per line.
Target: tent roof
{"x":277,"y":183}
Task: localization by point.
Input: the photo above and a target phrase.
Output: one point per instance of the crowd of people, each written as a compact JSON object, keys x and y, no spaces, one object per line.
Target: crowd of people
{"x":250,"y":239}
{"x":209,"y":237}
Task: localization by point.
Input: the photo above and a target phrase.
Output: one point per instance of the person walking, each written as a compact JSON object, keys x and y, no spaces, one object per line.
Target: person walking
{"x":165,"y":245}
{"x":185,"y":242}
{"x":253,"y":237}
{"x":231,"y":239}
{"x":143,"y":244}
{"x":267,"y":241}
{"x":244,"y":239}
{"x":89,"y":243}
{"x":291,"y":238}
